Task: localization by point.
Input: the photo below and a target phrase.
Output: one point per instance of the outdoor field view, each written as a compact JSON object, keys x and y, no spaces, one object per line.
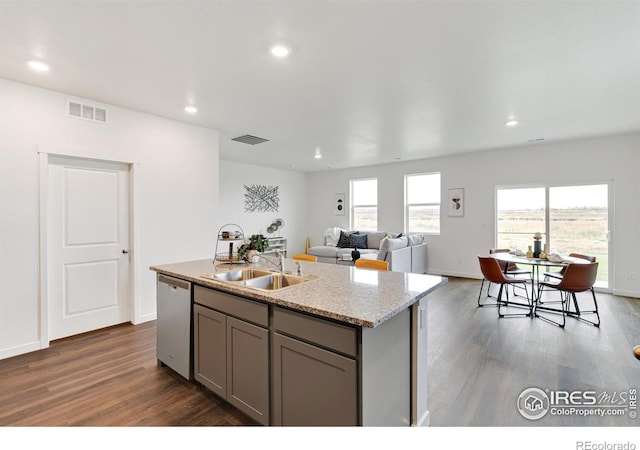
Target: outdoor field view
{"x":578,"y":221}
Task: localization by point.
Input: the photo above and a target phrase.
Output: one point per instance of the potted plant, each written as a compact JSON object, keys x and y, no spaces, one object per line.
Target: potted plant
{"x":257,"y":243}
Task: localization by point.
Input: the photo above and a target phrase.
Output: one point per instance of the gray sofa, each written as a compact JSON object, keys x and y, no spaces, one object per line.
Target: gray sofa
{"x":403,"y":253}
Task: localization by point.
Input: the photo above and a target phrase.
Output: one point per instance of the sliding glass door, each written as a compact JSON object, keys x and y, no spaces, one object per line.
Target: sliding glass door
{"x":571,"y":219}
{"x":579,"y":223}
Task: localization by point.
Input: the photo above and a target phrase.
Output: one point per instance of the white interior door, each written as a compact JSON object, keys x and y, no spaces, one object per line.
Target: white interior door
{"x":88,"y":241}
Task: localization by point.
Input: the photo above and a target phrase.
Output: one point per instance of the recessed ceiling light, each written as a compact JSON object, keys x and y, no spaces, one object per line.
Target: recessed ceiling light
{"x":511,"y":123}
{"x":191,"y":109}
{"x":38,"y":66}
{"x":280,"y":51}
{"x":317,"y":156}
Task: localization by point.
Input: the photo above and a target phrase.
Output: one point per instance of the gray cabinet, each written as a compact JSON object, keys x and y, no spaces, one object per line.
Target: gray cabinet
{"x":248,"y":368}
{"x":312,"y":386}
{"x":210,"y":350}
{"x":231,"y":355}
{"x":315,"y":372}
{"x":285,"y":367}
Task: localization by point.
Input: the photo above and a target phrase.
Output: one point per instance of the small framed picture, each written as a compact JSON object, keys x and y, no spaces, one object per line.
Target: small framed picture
{"x":456,"y":202}
{"x":339,"y":205}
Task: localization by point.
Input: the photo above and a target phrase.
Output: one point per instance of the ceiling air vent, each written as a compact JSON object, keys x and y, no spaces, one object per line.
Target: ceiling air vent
{"x":85,"y":111}
{"x":248,"y":139}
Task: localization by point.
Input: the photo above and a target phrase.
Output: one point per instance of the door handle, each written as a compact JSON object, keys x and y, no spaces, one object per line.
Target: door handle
{"x":125,"y":251}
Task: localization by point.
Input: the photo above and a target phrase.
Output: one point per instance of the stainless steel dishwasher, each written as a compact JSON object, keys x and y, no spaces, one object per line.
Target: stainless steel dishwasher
{"x":173,"y":329}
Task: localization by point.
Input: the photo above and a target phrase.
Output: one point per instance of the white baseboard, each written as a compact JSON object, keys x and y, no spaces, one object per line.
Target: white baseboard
{"x":20,"y":349}
{"x":425,"y":420}
{"x":447,"y":273}
{"x":145,"y":318}
{"x":623,"y":293}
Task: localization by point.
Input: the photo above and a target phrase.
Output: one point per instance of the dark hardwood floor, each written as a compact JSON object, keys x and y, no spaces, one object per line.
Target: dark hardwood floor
{"x":108,"y":377}
{"x":478,"y":366}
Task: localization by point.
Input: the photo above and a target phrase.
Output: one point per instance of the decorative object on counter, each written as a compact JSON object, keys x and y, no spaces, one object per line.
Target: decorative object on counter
{"x":275,"y":226}
{"x":355,"y":254}
{"x":257,"y":243}
{"x":636,"y":351}
{"x":261,"y":198}
{"x":232,"y":234}
{"x":537,"y":245}
{"x":456,"y":202}
{"x":530,"y":253}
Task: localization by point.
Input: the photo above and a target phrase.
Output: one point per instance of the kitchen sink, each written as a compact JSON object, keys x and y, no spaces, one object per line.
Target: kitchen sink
{"x":239,"y":275}
{"x":275,"y":281}
{"x":260,"y":279}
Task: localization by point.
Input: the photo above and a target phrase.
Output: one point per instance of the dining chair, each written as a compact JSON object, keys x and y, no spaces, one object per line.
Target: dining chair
{"x":493,"y":273}
{"x":513,"y":269}
{"x":303,"y":257}
{"x":576,"y":278}
{"x":371,"y":264}
{"x":559,"y":273}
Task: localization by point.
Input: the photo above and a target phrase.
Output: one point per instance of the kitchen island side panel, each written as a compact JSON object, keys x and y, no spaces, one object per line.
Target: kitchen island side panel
{"x":386,"y":372}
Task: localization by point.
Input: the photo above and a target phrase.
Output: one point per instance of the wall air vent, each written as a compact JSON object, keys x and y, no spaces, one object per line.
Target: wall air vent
{"x":85,"y":111}
{"x":248,"y":139}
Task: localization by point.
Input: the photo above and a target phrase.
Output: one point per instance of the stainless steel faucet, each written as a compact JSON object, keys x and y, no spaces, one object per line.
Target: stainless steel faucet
{"x":280,"y":256}
{"x":279,"y":264}
{"x":299,"y":268}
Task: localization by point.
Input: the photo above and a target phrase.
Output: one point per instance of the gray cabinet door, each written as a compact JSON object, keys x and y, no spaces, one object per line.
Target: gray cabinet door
{"x":312,"y":386}
{"x":248,"y":368}
{"x":210,"y":349}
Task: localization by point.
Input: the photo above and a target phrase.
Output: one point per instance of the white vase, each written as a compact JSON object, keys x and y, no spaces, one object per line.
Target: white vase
{"x":251,"y":255}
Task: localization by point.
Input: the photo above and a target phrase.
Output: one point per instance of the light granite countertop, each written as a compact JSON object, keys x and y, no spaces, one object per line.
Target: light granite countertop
{"x":359,"y":297}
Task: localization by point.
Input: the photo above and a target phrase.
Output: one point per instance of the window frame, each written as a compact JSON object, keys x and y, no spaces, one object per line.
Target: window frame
{"x":407,"y":204}
{"x":547,"y":217}
{"x":352,"y":205}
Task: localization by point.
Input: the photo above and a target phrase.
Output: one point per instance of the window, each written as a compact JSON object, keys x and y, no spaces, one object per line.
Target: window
{"x":521,"y":214}
{"x":571,"y":219}
{"x":422,"y":203}
{"x":364,"y":204}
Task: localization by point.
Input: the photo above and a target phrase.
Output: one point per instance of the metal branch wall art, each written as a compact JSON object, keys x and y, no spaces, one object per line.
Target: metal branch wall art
{"x":260,"y":198}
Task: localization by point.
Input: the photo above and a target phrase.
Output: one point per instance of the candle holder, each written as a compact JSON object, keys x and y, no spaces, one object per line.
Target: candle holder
{"x":537,"y":245}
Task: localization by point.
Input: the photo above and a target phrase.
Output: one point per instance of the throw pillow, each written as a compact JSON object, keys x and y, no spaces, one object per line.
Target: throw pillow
{"x":374,"y":238}
{"x":352,"y":240}
{"x":415,"y":239}
{"x":387,"y":245}
{"x":331,"y":236}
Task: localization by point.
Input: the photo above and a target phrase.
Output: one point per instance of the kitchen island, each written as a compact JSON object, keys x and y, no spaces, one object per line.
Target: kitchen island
{"x":335,"y":346}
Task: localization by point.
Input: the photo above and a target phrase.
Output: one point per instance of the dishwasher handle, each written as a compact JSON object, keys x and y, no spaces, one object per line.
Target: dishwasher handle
{"x":174,"y":283}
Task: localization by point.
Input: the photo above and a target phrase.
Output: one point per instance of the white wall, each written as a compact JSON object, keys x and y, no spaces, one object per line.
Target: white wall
{"x":177,"y":193}
{"x":454,"y":251}
{"x":292,"y":205}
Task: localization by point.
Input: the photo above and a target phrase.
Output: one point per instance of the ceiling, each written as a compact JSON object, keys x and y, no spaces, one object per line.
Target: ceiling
{"x":366,"y":82}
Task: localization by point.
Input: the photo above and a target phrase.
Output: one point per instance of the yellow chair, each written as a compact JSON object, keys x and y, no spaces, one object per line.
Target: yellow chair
{"x":302,"y":257}
{"x":372,"y":264}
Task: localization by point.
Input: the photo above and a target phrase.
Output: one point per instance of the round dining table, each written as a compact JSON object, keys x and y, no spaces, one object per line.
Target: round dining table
{"x":536,"y":263}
